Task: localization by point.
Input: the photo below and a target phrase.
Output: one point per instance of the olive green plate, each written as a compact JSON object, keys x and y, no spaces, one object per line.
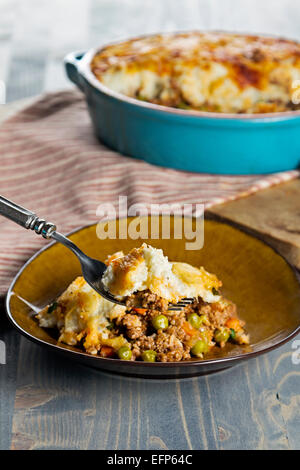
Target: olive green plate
{"x":262,"y":284}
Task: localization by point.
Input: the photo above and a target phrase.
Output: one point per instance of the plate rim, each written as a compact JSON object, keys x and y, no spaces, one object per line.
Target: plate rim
{"x":201,"y":362}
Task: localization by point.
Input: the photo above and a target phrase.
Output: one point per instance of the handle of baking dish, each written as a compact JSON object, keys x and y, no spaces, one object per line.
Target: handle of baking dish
{"x":71,"y":62}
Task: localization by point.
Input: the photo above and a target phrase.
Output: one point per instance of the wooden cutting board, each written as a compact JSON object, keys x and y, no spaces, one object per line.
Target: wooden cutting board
{"x":273,"y":214}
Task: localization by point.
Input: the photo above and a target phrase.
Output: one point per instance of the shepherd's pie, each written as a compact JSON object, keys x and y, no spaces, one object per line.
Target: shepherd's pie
{"x":146,"y":329}
{"x":206,"y":71}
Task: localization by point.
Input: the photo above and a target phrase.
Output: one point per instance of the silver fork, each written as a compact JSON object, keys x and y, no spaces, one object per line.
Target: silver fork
{"x":92,"y":269}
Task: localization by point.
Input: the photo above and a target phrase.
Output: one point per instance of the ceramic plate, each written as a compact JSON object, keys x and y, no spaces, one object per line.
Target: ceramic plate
{"x":263,"y":285}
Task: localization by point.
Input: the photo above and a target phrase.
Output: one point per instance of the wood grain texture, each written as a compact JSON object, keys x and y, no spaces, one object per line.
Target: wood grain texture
{"x":60,"y":405}
{"x":48,"y":402}
{"x":273,"y":214}
{"x":8,"y":374}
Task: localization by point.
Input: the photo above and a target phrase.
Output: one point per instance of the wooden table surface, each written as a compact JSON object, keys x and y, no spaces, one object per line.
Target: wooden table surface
{"x":47,"y":402}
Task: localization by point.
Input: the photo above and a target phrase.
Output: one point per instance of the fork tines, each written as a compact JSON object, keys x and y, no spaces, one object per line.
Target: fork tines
{"x":181,"y":304}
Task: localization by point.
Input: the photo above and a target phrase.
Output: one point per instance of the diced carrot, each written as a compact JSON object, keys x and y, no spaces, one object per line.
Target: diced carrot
{"x":233,"y":323}
{"x":188,"y":329}
{"x":140,"y":311}
{"x":107,"y":351}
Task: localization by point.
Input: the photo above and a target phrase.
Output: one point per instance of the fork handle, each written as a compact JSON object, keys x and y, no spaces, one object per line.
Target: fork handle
{"x":25,"y":218}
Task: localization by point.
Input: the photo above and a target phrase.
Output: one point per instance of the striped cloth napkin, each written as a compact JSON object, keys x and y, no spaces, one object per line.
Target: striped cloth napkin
{"x":52,"y":163}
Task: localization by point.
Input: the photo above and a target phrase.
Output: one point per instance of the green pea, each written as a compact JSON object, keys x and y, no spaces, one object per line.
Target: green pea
{"x":221,"y":335}
{"x":200,"y":347}
{"x":124,"y":353}
{"x":232,"y":333}
{"x":215,"y":291}
{"x":149,"y":356}
{"x":194,"y":320}
{"x":160,"y":322}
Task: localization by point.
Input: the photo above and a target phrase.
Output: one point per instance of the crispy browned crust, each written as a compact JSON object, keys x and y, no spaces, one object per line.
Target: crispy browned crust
{"x":250,"y":61}
{"x":122,"y":268}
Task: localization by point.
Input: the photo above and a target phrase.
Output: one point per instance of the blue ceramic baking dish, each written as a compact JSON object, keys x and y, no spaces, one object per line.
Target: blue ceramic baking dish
{"x":187,"y":140}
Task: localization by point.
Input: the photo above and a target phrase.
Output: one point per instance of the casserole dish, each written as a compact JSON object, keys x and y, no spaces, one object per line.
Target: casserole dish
{"x":193,"y":140}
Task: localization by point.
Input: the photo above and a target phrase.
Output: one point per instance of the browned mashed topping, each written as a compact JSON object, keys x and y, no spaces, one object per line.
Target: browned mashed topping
{"x":209,"y":71}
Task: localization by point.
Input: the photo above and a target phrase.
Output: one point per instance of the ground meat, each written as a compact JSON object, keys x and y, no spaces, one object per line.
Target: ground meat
{"x":175,"y":342}
{"x":217,"y":313}
{"x":146,"y":299}
{"x":144,"y":343}
{"x":134,"y":324}
{"x":170,"y":348}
